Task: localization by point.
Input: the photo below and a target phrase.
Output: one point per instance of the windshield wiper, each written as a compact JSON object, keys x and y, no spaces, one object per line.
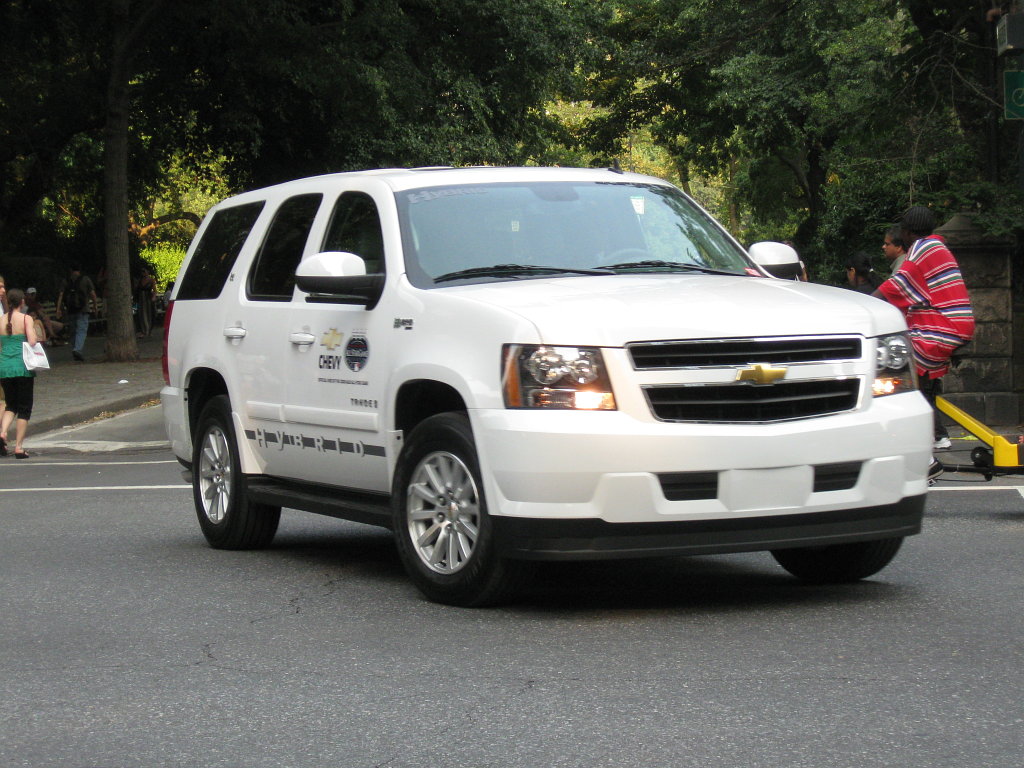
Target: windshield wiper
{"x":514,"y":270}
{"x":667,"y":265}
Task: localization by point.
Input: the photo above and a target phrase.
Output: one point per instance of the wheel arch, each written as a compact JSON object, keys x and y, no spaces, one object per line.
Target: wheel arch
{"x":420,"y":399}
{"x":203,"y":385}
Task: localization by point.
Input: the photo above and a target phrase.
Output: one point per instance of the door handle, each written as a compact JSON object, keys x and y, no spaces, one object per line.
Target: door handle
{"x":234,"y":333}
{"x":301,"y":339}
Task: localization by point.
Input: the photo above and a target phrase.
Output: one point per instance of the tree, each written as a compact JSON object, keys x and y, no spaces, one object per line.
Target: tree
{"x":128,"y":25}
{"x":278,"y":88}
{"x":772,"y":85}
{"x":826,"y":119}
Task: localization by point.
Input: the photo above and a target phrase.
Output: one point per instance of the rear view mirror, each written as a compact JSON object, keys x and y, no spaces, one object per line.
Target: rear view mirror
{"x":340,"y":278}
{"x":778,"y":259}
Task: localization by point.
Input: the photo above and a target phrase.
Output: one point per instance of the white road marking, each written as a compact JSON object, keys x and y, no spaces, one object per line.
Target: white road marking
{"x":1018,"y":488}
{"x":100,"y":446}
{"x":79,"y":488}
{"x":29,"y":464}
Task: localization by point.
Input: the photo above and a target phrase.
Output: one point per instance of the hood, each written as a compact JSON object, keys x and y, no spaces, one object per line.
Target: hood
{"x":613,"y":310}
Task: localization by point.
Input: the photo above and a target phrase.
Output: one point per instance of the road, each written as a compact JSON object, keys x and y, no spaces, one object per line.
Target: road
{"x":126,"y":641}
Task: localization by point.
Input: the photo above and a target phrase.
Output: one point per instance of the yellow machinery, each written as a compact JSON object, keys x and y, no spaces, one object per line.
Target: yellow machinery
{"x":1000,"y":457}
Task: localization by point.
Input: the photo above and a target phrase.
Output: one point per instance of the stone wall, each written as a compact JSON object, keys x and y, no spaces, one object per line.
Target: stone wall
{"x":989,"y":382}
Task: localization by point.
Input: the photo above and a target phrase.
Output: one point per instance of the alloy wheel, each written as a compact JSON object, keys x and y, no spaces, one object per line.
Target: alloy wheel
{"x":443,"y":512}
{"x":215,"y":475}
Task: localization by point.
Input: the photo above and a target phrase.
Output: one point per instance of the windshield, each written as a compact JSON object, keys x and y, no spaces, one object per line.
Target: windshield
{"x":513,"y":231}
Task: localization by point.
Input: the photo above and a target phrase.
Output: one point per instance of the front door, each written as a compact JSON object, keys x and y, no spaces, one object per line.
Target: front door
{"x":337,"y":384}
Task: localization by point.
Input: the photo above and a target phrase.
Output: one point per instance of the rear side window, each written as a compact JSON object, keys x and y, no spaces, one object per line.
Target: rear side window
{"x":273,"y":273}
{"x":215,"y":254}
{"x":355,"y":228}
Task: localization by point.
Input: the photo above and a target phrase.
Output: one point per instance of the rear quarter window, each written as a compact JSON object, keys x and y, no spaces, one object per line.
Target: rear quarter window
{"x":217,"y":251}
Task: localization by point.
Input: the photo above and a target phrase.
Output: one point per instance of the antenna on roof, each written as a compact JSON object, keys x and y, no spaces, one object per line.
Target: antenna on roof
{"x":616,"y":168}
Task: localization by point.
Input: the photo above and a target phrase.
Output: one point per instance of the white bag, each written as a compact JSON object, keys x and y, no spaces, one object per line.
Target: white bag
{"x":34,"y":356}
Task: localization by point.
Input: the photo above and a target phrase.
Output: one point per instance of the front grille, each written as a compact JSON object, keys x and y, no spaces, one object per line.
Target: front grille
{"x":752,"y":403}
{"x":657,"y":355}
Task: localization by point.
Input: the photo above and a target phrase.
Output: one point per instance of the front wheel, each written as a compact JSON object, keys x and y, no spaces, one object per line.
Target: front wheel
{"x":228,"y":518}
{"x":838,"y":563}
{"x":442,"y":530}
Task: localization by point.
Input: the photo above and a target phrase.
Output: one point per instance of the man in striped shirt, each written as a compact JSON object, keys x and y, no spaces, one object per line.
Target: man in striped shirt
{"x":930,"y":290}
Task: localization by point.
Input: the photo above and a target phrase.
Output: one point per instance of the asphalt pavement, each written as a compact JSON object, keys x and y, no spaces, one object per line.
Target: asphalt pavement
{"x":127,"y":642}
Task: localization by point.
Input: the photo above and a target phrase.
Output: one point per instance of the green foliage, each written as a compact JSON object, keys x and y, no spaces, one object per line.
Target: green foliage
{"x":165,"y":259}
{"x":813,"y":122}
{"x":787,"y":119}
{"x":240,"y":93}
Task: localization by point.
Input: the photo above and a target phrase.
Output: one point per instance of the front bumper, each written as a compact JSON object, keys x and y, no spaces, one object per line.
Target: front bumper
{"x":592,"y":539}
{"x":619,"y":469}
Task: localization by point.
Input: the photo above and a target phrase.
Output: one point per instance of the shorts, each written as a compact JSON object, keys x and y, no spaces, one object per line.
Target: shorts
{"x":18,"y":393}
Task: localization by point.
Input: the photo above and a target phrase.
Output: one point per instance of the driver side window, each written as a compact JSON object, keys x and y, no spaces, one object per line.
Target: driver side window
{"x":355,"y":228}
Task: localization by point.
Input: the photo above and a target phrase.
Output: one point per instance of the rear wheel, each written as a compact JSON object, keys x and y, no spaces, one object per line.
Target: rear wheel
{"x":229,"y":520}
{"x":439,"y":514}
{"x":838,"y":563}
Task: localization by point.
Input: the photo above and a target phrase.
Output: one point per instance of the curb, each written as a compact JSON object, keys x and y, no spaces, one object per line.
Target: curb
{"x":74,"y":417}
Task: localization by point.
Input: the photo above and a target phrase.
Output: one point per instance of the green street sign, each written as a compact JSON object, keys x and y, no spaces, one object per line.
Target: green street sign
{"x":1013,"y":95}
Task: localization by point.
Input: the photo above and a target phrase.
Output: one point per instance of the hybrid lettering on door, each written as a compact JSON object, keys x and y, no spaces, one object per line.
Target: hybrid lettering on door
{"x":280,"y":440}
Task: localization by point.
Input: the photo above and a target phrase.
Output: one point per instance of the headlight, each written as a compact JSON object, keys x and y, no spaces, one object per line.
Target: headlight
{"x":894,"y":365}
{"x":537,"y":376}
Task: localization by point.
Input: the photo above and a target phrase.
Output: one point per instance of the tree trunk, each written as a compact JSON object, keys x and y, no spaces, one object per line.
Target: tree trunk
{"x":120,"y":345}
{"x":814,"y":177}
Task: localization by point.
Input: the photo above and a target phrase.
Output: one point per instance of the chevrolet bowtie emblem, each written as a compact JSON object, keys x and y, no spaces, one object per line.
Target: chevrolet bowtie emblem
{"x":332,"y":339}
{"x":761,"y":374}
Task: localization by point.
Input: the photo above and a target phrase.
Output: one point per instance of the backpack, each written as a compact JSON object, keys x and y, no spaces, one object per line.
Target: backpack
{"x":74,"y":297}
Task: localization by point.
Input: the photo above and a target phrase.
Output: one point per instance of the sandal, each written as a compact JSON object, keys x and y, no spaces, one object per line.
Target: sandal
{"x":3,"y":447}
{"x":21,"y":455}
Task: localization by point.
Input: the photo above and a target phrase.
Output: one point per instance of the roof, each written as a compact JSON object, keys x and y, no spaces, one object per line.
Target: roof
{"x":400,"y":179}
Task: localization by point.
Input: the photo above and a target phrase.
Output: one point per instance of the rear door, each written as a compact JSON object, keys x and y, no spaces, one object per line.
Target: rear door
{"x":207,"y":314}
{"x":268,"y":331}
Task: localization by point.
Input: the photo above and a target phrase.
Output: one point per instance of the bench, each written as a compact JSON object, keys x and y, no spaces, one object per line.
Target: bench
{"x":97,"y":322}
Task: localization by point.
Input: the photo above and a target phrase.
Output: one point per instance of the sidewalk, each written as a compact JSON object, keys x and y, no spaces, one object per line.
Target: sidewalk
{"x":71,"y":392}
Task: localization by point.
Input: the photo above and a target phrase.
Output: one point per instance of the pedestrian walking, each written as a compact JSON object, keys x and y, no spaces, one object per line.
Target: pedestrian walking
{"x":16,"y":380}
{"x":929,"y":288}
{"x":77,"y":294}
{"x":3,"y":311}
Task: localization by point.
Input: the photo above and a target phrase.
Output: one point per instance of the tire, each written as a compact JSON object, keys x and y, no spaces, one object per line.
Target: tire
{"x":982,"y":458}
{"x":229,"y":520}
{"x":838,"y":563}
{"x":439,"y":516}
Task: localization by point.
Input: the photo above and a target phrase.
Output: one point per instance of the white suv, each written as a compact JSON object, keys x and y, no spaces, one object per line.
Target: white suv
{"x":534,"y":363}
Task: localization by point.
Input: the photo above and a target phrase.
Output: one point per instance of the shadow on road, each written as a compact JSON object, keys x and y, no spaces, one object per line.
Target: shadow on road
{"x":365,"y":558}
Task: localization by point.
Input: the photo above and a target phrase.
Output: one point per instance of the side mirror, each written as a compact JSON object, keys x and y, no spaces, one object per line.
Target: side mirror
{"x":337,"y":277}
{"x":778,"y":259}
